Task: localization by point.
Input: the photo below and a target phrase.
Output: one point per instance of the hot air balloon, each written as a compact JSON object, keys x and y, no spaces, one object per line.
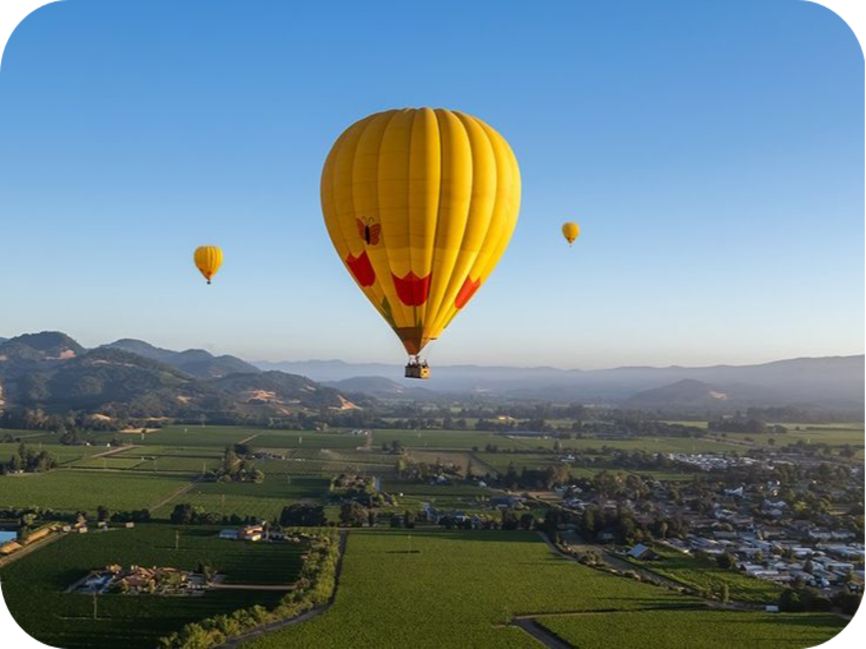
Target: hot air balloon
{"x":420,"y":205}
{"x":208,"y":260}
{"x":570,"y":231}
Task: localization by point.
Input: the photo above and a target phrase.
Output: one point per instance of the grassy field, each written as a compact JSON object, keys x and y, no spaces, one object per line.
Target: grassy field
{"x":265,"y":500}
{"x":66,"y":490}
{"x":454,"y":590}
{"x":706,"y":629}
{"x":63,"y":454}
{"x":34,"y":586}
{"x":705,"y":575}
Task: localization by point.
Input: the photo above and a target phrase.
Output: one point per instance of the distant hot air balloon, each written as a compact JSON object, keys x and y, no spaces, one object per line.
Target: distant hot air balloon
{"x":420,"y":205}
{"x":208,"y":260}
{"x":570,"y":231}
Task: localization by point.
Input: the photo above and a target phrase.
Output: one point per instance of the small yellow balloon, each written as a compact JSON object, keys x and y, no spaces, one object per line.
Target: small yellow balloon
{"x":208,"y":260}
{"x":570,"y":231}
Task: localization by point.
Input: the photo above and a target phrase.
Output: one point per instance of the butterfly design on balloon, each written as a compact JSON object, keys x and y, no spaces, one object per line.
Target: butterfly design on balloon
{"x":369,"y":230}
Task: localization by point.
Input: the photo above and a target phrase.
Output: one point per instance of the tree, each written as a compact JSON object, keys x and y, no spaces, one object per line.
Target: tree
{"x":182,"y":514}
{"x":303,"y":515}
{"x":353,"y":514}
{"x":726,"y":560}
{"x":102,"y":513}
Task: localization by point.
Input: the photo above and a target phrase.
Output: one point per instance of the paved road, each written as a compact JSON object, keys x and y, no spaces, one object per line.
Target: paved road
{"x":545,"y":637}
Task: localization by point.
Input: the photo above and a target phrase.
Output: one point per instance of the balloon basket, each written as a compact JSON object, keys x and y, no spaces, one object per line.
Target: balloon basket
{"x":416,"y":370}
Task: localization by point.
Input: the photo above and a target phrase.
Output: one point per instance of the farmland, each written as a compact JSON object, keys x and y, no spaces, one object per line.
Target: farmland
{"x":68,"y":490}
{"x":34,"y":587}
{"x":455,"y":589}
{"x":264,"y":500}
{"x":708,"y":629}
{"x":463,"y":588}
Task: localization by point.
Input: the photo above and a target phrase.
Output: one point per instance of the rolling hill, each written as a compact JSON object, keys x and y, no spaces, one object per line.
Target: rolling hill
{"x":53,"y":372}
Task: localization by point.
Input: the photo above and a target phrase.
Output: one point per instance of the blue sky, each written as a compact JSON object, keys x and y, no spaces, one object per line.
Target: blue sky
{"x":711,"y":151}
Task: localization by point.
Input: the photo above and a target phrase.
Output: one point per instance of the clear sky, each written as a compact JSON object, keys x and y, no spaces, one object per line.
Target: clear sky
{"x":712,"y":152}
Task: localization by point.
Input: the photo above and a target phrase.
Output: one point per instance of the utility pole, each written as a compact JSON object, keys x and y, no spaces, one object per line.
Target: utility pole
{"x":410,"y":544}
{"x":177,"y":539}
{"x":222,"y":505}
{"x":94,"y":605}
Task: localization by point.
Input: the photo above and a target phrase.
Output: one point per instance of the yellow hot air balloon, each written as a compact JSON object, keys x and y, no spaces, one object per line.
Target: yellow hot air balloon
{"x":420,"y":205}
{"x":570,"y":231}
{"x":208,"y":260}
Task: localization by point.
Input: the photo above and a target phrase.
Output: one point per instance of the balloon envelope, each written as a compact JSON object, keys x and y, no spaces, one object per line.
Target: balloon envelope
{"x":208,"y":260}
{"x":570,"y":231}
{"x":420,"y":205}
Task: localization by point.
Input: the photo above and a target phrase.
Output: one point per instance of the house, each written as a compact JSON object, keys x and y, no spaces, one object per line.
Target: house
{"x":252,"y":532}
{"x":641,"y":553}
{"x":231,"y":535}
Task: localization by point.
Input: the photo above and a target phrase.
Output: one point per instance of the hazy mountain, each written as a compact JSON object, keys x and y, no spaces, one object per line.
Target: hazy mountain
{"x":687,"y":394}
{"x":53,"y":372}
{"x":196,"y":362}
{"x":828,"y":382}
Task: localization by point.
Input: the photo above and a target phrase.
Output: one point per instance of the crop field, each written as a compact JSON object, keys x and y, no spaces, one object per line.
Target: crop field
{"x":74,"y":490}
{"x":265,"y":500}
{"x":110,"y":462}
{"x":63,"y":454}
{"x":467,"y":497}
{"x":457,"y":589}
{"x":454,"y":440}
{"x":34,"y":586}
{"x":703,"y":574}
{"x":283,"y":439}
{"x":195,"y":435}
{"x":709,"y":629}
{"x":648,"y":444}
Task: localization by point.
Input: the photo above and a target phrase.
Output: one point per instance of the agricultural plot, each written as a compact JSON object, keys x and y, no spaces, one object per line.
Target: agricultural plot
{"x":705,"y":575}
{"x":34,"y":587}
{"x":265,"y":500}
{"x":457,"y":589}
{"x":70,"y":491}
{"x":284,"y":439}
{"x":647,"y":444}
{"x":709,"y":629}
{"x":499,"y":462}
{"x":443,"y":497}
{"x":454,"y":440}
{"x":196,"y":435}
{"x":111,"y":462}
{"x":63,"y":454}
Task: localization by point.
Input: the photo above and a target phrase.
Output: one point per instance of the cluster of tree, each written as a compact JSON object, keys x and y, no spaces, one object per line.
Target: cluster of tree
{"x":27,"y":460}
{"x":187,"y":514}
{"x":620,"y":523}
{"x":314,"y":588}
{"x":547,"y":478}
{"x":303,"y":515}
{"x":236,"y":468}
{"x":740,"y":423}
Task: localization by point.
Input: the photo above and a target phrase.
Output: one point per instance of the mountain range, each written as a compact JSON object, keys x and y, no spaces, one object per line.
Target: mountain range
{"x":135,"y":379}
{"x":835,"y":383}
{"x":132,"y":379}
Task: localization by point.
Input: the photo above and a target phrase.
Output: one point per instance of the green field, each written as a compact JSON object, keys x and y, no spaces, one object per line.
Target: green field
{"x":63,"y":454}
{"x":707,"y":629}
{"x":34,"y":586}
{"x":66,"y":490}
{"x":704,"y":575}
{"x":454,"y":590}
{"x":265,"y":500}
